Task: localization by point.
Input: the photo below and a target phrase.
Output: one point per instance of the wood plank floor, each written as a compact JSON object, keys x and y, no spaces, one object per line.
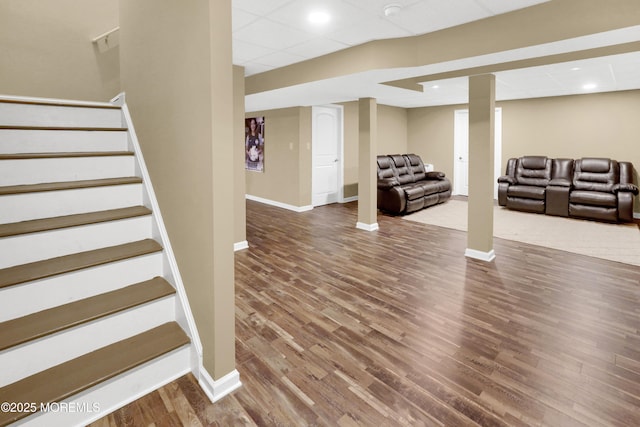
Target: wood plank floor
{"x":341,"y":327}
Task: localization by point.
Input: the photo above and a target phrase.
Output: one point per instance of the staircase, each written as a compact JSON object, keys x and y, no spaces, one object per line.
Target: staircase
{"x":93,"y":314}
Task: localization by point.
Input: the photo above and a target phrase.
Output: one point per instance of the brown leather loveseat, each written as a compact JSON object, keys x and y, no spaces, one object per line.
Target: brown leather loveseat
{"x":591,"y":188}
{"x":404,"y":186}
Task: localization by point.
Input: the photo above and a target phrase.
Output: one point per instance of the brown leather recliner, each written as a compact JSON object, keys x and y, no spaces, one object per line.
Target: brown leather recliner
{"x":404,"y":186}
{"x":602,"y":189}
{"x":525,"y":183}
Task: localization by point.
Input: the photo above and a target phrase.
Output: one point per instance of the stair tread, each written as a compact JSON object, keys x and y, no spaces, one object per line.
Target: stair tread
{"x":64,"y":380}
{"x":68,"y":185}
{"x":67,"y":263}
{"x":46,"y":322}
{"x":71,"y":128}
{"x":45,"y":224}
{"x":56,"y":155}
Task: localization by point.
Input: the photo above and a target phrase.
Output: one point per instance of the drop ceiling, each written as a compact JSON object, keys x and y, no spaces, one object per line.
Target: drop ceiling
{"x":275,"y":33}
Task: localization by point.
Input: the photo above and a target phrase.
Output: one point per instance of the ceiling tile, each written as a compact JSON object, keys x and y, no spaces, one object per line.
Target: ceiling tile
{"x":295,"y":14}
{"x":500,"y":6}
{"x":240,"y":18}
{"x":270,"y":34}
{"x":279,"y":59}
{"x":374,"y":29}
{"x":432,"y":15}
{"x":243,"y":51}
{"x":259,"y":7}
{"x":316,"y":47}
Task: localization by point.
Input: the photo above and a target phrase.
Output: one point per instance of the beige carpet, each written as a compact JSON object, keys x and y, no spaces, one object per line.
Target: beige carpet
{"x":615,"y":242}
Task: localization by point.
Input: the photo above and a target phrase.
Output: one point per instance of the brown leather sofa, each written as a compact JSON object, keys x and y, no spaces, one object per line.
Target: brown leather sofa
{"x":591,"y":188}
{"x":404,"y":186}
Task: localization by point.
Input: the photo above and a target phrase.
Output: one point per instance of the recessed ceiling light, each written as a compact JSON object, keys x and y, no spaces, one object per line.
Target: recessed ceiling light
{"x":392,"y":9}
{"x":319,"y":17}
{"x":435,"y":87}
{"x":575,"y":69}
{"x":589,"y":86}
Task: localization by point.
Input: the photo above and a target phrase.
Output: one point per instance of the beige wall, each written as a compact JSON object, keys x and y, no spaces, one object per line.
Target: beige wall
{"x":392,"y":130}
{"x":47,"y":49}
{"x":287,"y":155}
{"x":177,"y":73}
{"x":430,"y":135}
{"x":287,"y":149}
{"x":593,"y":125}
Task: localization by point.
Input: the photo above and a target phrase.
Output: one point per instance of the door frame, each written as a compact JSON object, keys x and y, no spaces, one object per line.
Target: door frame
{"x":457,"y":140}
{"x":340,"y":135}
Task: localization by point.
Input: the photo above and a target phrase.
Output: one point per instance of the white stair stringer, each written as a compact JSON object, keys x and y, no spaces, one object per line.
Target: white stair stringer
{"x":31,"y":129}
{"x":184,"y":316}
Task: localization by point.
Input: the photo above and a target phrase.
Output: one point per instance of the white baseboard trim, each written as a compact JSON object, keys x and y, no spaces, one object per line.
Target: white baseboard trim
{"x":636,"y":215}
{"x":349,"y":199}
{"x":238,"y":246}
{"x":367,"y":227}
{"x":482,"y":256}
{"x":217,"y":389}
{"x":279,"y":204}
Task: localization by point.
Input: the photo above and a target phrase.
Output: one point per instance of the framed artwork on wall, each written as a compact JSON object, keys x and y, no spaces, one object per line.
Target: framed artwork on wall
{"x":254,"y":144}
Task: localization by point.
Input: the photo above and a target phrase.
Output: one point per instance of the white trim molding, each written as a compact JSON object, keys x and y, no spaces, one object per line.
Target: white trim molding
{"x":636,"y":215}
{"x":349,"y":199}
{"x":238,"y":246}
{"x":367,"y":227}
{"x":217,"y":389}
{"x":479,"y":255}
{"x":279,"y":204}
{"x":185,"y":318}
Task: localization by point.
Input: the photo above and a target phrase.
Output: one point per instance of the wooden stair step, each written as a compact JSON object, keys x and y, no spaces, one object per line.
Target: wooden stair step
{"x":50,"y":321}
{"x":68,"y":185}
{"x":60,"y":155}
{"x":46,"y":224}
{"x":70,"y":128}
{"x":67,"y":263}
{"x":69,"y":378}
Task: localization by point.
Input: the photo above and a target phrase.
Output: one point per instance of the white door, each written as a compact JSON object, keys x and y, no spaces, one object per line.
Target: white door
{"x":461,"y":152}
{"x":326,"y":154}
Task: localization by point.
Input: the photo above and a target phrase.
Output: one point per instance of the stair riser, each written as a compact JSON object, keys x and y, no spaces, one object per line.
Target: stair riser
{"x":35,"y":356}
{"x":17,"y":301}
{"x":32,"y":247}
{"x":46,"y":115}
{"x":37,"y":171}
{"x":118,"y":391}
{"x":22,"y":207}
{"x":43,"y":141}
